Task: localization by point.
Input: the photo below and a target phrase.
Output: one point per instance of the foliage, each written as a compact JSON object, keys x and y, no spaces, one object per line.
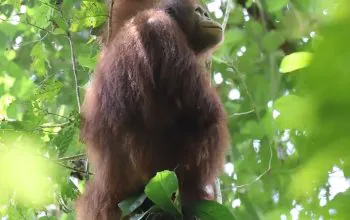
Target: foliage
{"x":281,"y":73}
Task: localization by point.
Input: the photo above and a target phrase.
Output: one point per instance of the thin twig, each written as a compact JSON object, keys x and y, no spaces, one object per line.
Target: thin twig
{"x":55,"y":125}
{"x":46,"y":158}
{"x":90,"y":16}
{"x":242,"y":113}
{"x":217,"y":190}
{"x":271,"y":59}
{"x":62,"y":116}
{"x":262,"y":174}
{"x":110,"y":14}
{"x":34,"y":41}
{"x":72,"y":168}
{"x":73,"y":60}
{"x":296,"y":12}
{"x":77,"y":92}
{"x":48,"y":132}
{"x":261,"y":13}
{"x":224,"y":23}
{"x":230,"y":64}
{"x":30,"y":24}
{"x":74,"y":68}
{"x":246,"y":90}
{"x":227,"y":14}
{"x":49,"y":5}
{"x":87,"y":167}
{"x":75,"y":157}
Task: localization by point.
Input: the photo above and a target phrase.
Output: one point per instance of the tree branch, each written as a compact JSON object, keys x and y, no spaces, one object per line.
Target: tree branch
{"x":57,"y":115}
{"x":262,"y":174}
{"x":55,"y":125}
{"x":75,"y":157}
{"x":30,"y":24}
{"x":242,"y":113}
{"x":245,"y":86}
{"x":72,"y":168}
{"x":77,"y":92}
{"x":217,"y":190}
{"x":227,"y":14}
{"x":74,"y":68}
{"x":110,"y":14}
{"x":73,"y":60}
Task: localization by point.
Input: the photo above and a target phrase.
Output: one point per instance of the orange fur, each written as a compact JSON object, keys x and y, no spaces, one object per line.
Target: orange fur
{"x":150,"y":107}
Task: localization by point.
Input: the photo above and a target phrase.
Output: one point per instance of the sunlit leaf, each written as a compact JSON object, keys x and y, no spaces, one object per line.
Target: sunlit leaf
{"x":45,"y":13}
{"x":64,"y":139}
{"x":39,"y":57}
{"x":10,"y":55}
{"x":87,"y":61}
{"x":24,"y":171}
{"x":295,"y":61}
{"x":92,"y":14}
{"x":160,"y":190}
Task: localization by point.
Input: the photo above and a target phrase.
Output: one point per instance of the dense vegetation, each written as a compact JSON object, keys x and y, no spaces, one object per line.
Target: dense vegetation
{"x":282,"y":74}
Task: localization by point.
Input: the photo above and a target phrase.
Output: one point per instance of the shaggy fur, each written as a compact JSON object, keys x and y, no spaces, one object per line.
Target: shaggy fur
{"x":150,"y":107}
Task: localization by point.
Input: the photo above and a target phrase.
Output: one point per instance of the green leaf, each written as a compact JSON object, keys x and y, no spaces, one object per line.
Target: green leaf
{"x":254,"y":28}
{"x":131,"y":204}
{"x":295,"y":112}
{"x":14,"y":3}
{"x":253,"y":129}
{"x":38,"y":54}
{"x":295,"y":61}
{"x":23,"y":88}
{"x":41,"y":15}
{"x":7,"y":30}
{"x":68,"y":190}
{"x":3,"y":40}
{"x":160,"y":190}
{"x":272,"y":41}
{"x":60,"y":22}
{"x":210,"y":210}
{"x":340,"y":203}
{"x":49,"y":90}
{"x":248,"y":3}
{"x":13,"y":69}
{"x":234,"y":37}
{"x":64,"y":139}
{"x":67,"y":7}
{"x":10,"y":55}
{"x":92,"y":14}
{"x":275,"y":5}
{"x":89,"y":62}
{"x":6,"y":9}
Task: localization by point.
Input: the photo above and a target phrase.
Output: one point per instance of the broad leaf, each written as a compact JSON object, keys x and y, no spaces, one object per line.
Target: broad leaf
{"x":160,"y":190}
{"x":131,"y":204}
{"x":295,"y":61}
{"x":210,"y":210}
